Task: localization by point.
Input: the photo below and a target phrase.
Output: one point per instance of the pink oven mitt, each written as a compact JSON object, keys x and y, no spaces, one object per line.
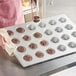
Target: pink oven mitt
{"x":8,"y":13}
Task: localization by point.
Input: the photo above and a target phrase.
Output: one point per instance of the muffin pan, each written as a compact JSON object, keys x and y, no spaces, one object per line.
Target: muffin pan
{"x":45,"y":40}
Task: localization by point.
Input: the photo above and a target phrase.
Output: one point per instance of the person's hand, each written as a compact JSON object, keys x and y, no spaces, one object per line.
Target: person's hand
{"x":3,"y":52}
{"x":2,"y":46}
{"x":2,"y":41}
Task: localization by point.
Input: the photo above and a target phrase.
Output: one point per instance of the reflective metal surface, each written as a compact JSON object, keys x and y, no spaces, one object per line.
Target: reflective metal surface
{"x":7,"y":68}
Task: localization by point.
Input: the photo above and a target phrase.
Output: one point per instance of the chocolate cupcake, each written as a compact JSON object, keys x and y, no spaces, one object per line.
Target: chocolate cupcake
{"x":20,"y":30}
{"x":26,"y":37}
{"x":44,"y":43}
{"x":39,"y":54}
{"x":21,"y":49}
{"x":15,"y":41}
{"x":10,"y":33}
{"x":50,"y":51}
{"x":33,"y":46}
{"x":37,"y":35}
{"x":27,"y":57}
{"x":36,"y":19}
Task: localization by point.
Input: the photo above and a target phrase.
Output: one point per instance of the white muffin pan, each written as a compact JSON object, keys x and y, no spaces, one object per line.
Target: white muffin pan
{"x":59,"y":32}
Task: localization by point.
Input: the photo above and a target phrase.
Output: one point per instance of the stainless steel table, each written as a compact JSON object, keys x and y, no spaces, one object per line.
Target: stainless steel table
{"x":7,"y":68}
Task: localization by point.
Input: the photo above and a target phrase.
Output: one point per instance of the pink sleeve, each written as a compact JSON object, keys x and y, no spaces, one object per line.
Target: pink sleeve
{"x":8,"y":13}
{"x":20,"y":16}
